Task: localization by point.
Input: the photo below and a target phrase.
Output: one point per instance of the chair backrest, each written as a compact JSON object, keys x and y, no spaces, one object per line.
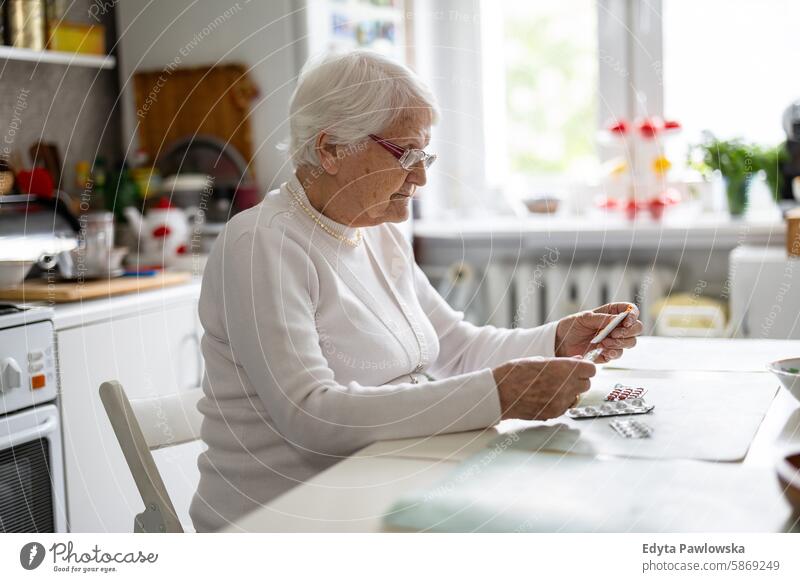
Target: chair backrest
{"x":146,"y":424}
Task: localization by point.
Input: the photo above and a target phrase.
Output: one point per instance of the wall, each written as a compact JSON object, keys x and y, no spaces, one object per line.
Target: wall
{"x":71,"y":106}
{"x":256,"y":33}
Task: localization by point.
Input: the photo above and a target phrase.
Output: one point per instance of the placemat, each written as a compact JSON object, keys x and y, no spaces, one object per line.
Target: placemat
{"x":708,"y":417}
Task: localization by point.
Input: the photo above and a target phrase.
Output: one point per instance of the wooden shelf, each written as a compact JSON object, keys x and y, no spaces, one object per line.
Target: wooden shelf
{"x":57,"y":58}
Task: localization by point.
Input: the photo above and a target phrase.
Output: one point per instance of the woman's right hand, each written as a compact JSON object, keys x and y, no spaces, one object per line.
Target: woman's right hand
{"x":541,"y":388}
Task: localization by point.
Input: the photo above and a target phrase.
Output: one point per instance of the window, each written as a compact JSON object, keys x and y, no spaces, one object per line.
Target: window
{"x":542,"y":105}
{"x":555,"y":72}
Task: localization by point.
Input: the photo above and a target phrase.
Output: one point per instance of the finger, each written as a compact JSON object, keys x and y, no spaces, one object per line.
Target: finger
{"x":583,"y":385}
{"x":636,"y":329}
{"x":610,"y":343}
{"x":584,"y":368}
{"x":596,"y":321}
{"x":612,"y":355}
{"x":618,"y":344}
{"x":632,"y":318}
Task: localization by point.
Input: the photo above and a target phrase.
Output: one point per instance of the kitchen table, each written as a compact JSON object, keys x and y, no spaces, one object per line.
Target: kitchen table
{"x":355,"y":494}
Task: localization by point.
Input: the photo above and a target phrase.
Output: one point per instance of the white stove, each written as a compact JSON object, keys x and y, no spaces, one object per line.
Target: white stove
{"x":31,"y":458}
{"x":28,"y":373}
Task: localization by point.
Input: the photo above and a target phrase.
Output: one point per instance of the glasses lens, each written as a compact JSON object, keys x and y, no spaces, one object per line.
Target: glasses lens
{"x":412,"y":157}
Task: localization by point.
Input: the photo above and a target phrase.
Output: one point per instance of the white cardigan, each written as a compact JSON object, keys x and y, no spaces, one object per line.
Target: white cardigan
{"x":315,"y":349}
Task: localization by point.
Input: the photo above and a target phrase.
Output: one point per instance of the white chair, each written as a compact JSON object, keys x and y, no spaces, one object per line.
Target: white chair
{"x":144,"y":425}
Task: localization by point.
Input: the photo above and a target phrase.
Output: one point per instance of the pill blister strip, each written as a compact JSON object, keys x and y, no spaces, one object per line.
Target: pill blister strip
{"x":632,"y":406}
{"x":622,"y":392}
{"x":631,"y":429}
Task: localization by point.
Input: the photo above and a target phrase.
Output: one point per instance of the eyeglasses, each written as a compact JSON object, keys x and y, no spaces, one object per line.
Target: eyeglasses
{"x":408,"y":157}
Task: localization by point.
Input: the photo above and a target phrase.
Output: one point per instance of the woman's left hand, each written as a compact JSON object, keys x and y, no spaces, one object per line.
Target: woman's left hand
{"x":574,"y":332}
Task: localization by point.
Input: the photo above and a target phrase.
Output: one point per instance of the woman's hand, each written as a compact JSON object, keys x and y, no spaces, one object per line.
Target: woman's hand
{"x":541,"y":388}
{"x":574,"y":332}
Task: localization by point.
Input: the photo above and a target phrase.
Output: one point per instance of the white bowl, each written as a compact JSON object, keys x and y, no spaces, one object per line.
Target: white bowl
{"x":788,"y":372}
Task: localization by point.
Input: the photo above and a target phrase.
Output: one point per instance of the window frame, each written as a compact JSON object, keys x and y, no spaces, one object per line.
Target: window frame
{"x":630,"y":75}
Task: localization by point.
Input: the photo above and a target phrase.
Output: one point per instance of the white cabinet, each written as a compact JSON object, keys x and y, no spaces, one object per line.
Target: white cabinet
{"x":765,"y":302}
{"x":152,"y":349}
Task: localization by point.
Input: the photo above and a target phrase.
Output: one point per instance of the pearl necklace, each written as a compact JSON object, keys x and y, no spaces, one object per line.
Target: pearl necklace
{"x":352,"y":242}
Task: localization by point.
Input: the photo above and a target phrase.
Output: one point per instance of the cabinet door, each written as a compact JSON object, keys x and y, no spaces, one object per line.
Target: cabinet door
{"x":149,"y":353}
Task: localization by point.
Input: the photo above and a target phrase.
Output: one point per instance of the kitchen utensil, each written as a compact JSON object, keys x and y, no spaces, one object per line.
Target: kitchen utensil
{"x":92,"y":258}
{"x":788,"y":372}
{"x":99,"y":239}
{"x":72,"y":266}
{"x":205,"y":154}
{"x":18,"y":254}
{"x":163,"y":232}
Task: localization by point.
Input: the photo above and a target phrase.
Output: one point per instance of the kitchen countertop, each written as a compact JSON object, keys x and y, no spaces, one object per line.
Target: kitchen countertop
{"x":80,"y":313}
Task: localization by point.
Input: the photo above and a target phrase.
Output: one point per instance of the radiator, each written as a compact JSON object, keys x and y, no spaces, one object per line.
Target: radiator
{"x":530,"y":294}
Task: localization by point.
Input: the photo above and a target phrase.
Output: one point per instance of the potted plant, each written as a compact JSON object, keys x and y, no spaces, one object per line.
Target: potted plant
{"x":735,"y":160}
{"x":739,"y":162}
{"x":770,"y":161}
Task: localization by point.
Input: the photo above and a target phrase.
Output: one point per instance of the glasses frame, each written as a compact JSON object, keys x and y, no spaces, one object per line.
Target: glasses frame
{"x":404,"y":154}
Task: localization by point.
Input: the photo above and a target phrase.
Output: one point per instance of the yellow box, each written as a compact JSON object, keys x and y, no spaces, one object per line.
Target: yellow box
{"x":72,"y":37}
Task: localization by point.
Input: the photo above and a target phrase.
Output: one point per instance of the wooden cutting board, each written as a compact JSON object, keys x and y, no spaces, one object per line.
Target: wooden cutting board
{"x":64,"y":292}
{"x":209,"y":100}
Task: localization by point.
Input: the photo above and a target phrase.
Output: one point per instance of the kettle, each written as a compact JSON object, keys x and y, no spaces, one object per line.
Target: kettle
{"x":163,"y":232}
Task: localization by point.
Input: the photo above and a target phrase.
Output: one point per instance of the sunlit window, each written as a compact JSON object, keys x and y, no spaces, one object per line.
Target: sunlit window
{"x":548,"y":52}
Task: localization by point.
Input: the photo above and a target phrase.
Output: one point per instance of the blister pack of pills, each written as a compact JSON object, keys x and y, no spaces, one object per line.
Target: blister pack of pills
{"x":622,"y":392}
{"x":631,"y":429}
{"x":622,"y":407}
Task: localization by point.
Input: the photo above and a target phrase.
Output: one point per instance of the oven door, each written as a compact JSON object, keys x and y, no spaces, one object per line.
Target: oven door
{"x":31,"y":472}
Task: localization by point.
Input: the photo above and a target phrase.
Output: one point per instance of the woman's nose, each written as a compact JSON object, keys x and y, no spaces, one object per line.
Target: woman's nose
{"x":418,"y":175}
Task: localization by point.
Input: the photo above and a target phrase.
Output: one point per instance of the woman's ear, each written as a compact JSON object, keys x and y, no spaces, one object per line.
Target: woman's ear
{"x":326,"y":152}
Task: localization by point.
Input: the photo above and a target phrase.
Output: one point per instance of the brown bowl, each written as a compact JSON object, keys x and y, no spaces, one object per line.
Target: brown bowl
{"x":788,"y":469}
{"x":542,"y":204}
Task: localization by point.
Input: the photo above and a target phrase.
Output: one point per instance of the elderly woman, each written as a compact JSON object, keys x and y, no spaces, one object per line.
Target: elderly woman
{"x":323,"y":336}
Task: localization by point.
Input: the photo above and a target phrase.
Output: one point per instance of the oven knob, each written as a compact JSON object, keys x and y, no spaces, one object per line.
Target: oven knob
{"x":10,"y":375}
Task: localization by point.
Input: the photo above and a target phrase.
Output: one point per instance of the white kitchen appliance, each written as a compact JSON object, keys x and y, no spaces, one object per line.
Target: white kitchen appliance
{"x":32,"y":495}
{"x":764,"y":293}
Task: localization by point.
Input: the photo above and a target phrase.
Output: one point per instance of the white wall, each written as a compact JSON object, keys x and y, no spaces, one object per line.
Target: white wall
{"x":257,"y":33}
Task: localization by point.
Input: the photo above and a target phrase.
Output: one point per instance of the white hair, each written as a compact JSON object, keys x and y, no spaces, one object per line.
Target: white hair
{"x":349,"y":96}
